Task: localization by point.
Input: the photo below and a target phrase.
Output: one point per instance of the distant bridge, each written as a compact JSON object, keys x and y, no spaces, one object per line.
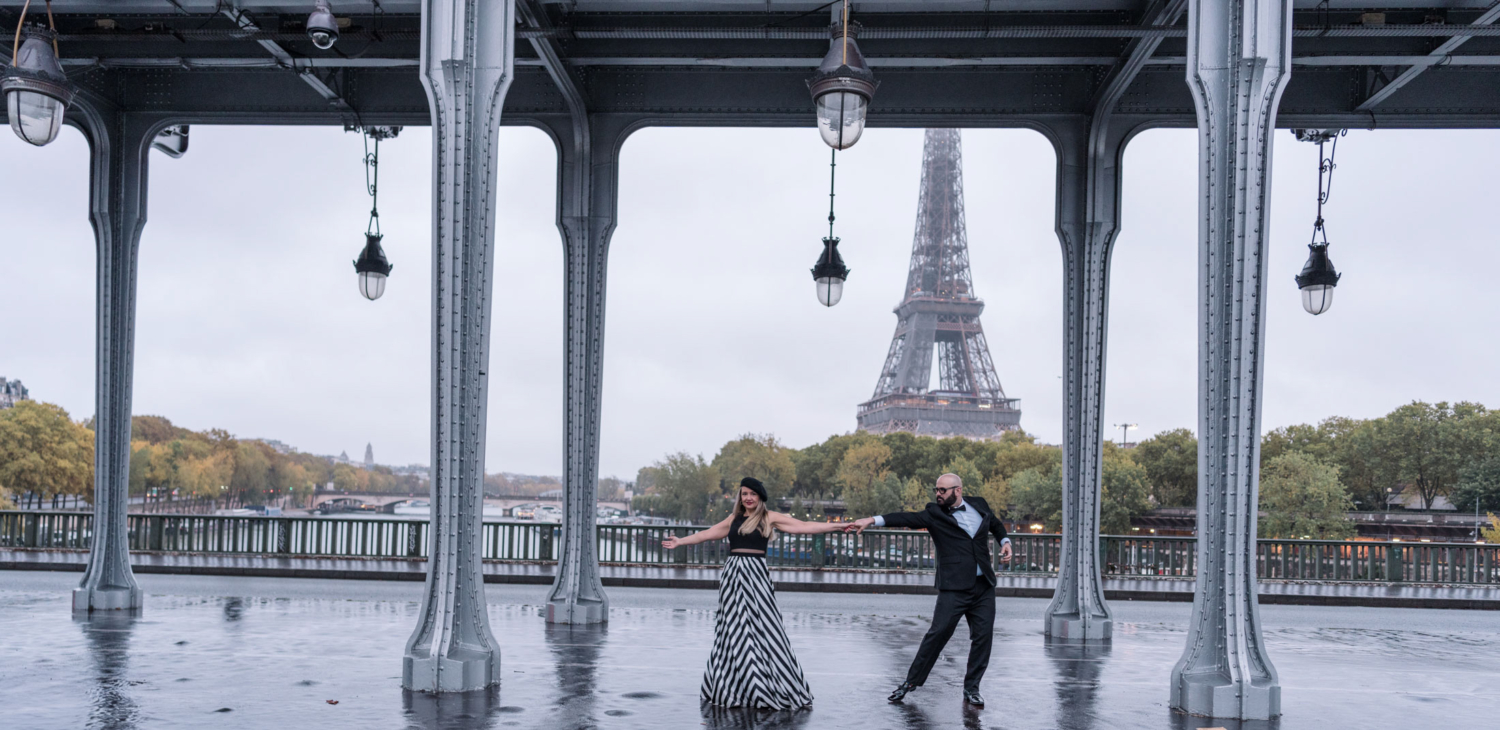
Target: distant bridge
{"x":388,"y":501}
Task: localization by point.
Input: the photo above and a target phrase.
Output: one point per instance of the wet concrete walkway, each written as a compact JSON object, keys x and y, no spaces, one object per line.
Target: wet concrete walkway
{"x":1116,"y":588}
{"x":271,"y":653}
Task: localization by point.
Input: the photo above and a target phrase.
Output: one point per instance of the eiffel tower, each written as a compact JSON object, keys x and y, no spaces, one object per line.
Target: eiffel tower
{"x":940,"y":312}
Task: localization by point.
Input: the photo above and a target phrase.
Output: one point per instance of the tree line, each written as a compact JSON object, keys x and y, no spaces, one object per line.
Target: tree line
{"x":1311,"y":476}
{"x":45,"y":454}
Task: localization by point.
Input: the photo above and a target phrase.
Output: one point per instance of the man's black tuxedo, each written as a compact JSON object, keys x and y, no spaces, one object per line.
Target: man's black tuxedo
{"x":957,"y":553}
{"x":965,"y":583}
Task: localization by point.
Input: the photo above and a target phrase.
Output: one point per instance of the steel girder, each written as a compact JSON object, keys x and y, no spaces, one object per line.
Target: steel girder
{"x":1089,"y":155}
{"x":588,"y":170}
{"x":1088,"y":218}
{"x":119,"y":148}
{"x":1239,"y":62}
{"x":468,"y":49}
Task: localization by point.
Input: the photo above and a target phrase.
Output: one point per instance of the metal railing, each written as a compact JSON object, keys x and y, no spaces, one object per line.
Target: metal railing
{"x":904,"y":550}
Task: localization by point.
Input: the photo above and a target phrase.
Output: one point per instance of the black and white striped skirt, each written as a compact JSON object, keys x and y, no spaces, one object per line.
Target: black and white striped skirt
{"x":752,"y":664}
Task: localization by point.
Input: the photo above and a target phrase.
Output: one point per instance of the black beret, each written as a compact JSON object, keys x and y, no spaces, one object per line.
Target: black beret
{"x":755,"y":485}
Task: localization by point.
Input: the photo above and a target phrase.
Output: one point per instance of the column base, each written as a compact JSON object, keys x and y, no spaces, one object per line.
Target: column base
{"x":1212,"y":695}
{"x":86,"y":600}
{"x":1071,"y":629}
{"x":466,"y":670}
{"x":577,"y":612}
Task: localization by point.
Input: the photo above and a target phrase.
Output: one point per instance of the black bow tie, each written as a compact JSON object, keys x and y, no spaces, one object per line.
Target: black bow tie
{"x":959,"y":508}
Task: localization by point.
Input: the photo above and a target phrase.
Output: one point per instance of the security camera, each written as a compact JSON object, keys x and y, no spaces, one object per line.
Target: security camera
{"x":322,"y":27}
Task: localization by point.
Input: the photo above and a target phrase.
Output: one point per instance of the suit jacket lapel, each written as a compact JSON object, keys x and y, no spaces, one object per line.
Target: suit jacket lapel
{"x":943,"y":515}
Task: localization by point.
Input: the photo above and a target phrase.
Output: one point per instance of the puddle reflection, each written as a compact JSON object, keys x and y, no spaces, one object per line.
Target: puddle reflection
{"x":1077,"y":668}
{"x":108,"y":636}
{"x":452,"y":711}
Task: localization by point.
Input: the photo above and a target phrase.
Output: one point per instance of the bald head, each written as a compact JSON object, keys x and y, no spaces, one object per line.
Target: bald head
{"x":948,"y":481}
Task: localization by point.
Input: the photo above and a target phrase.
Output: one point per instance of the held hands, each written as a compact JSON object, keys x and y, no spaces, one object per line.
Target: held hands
{"x":860,"y":524}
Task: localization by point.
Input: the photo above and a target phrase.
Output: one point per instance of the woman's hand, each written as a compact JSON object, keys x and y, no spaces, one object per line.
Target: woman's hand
{"x":670,"y":542}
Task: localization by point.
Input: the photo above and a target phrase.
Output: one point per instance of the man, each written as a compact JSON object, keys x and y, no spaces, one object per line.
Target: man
{"x":961,"y":532}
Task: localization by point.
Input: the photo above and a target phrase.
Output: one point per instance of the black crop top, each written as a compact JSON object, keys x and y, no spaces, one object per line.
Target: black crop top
{"x":752,"y":541}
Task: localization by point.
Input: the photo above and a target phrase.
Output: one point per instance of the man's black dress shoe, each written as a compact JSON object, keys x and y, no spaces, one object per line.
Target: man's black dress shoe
{"x":972,"y":697}
{"x":901,"y":691}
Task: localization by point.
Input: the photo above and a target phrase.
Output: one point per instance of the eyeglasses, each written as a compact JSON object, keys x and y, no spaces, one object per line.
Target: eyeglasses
{"x":944,"y":490}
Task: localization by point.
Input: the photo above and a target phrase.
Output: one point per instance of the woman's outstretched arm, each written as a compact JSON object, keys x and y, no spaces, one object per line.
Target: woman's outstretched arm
{"x":794,"y":526}
{"x":717,"y":532}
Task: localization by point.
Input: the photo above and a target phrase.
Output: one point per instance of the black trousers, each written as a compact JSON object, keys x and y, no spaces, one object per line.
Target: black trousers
{"x":977,"y":605}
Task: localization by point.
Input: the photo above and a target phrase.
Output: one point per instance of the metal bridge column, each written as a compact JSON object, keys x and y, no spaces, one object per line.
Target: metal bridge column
{"x":1088,"y":194}
{"x":1239,"y":61}
{"x":588,"y":167}
{"x":467,"y":67}
{"x":119,"y":144}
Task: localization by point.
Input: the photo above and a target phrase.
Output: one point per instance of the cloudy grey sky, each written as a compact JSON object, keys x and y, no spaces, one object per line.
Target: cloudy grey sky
{"x":249,"y":318}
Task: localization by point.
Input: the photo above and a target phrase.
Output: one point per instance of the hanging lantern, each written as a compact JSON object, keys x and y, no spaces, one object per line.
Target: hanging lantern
{"x":1317,"y":280}
{"x":1318,"y":277}
{"x":829,"y":273}
{"x":842,"y":89}
{"x":36,"y":90}
{"x":372,"y":268}
{"x":371,"y":265}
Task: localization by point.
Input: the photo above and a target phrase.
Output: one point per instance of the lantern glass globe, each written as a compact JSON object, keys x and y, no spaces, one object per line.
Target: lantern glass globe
{"x":841,"y":118}
{"x":830,"y":290}
{"x":34,"y":116}
{"x":371,"y":284}
{"x":1317,"y":299}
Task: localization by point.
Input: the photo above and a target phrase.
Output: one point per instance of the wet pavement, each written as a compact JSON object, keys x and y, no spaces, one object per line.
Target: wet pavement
{"x":787,"y":580}
{"x":272,"y":653}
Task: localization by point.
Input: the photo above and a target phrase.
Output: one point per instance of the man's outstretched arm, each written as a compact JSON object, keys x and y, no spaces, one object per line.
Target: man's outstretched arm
{"x":916,"y":520}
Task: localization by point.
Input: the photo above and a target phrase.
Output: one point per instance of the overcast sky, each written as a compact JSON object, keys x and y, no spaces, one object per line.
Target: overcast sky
{"x":249,"y":318}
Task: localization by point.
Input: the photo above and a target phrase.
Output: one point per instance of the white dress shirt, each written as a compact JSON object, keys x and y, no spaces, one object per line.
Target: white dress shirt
{"x":966,"y":518}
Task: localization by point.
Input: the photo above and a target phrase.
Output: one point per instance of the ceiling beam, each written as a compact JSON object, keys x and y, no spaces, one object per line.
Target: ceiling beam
{"x":1159,"y":13}
{"x":1437,"y":54}
{"x":285,"y":60}
{"x":550,"y":58}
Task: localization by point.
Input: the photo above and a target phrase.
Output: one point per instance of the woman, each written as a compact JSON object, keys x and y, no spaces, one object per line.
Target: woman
{"x":752,"y":664}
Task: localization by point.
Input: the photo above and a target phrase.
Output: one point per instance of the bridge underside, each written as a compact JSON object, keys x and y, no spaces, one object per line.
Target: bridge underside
{"x":736,"y":64}
{"x":1088,"y":74}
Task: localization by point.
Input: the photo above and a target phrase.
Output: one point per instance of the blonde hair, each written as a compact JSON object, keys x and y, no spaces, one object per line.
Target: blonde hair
{"x":758,"y":521}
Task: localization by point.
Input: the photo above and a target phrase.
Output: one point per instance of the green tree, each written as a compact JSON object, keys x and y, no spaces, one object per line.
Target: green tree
{"x":1126,"y":492}
{"x":881,"y":497}
{"x":861,"y":475}
{"x":250,"y":480}
{"x":1478,"y":486}
{"x":1037,"y":495}
{"x":42,"y":451}
{"x":1429,"y":444}
{"x":761,"y":457}
{"x":1170,"y":459}
{"x":1302,"y":497}
{"x":915,"y":495}
{"x":689,"y":489}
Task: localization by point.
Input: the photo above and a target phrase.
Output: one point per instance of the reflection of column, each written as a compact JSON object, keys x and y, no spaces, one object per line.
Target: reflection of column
{"x":1239,"y":61}
{"x":1077,"y":668}
{"x":108,"y":638}
{"x":575,"y":657}
{"x":467,"y":66}
{"x":586,"y":202}
{"x":118,"y":144}
{"x":1088,"y":194}
{"x":455,"y":709}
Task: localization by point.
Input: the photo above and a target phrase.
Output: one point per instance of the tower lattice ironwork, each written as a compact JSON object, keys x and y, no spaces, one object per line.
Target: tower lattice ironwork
{"x":940,"y":312}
